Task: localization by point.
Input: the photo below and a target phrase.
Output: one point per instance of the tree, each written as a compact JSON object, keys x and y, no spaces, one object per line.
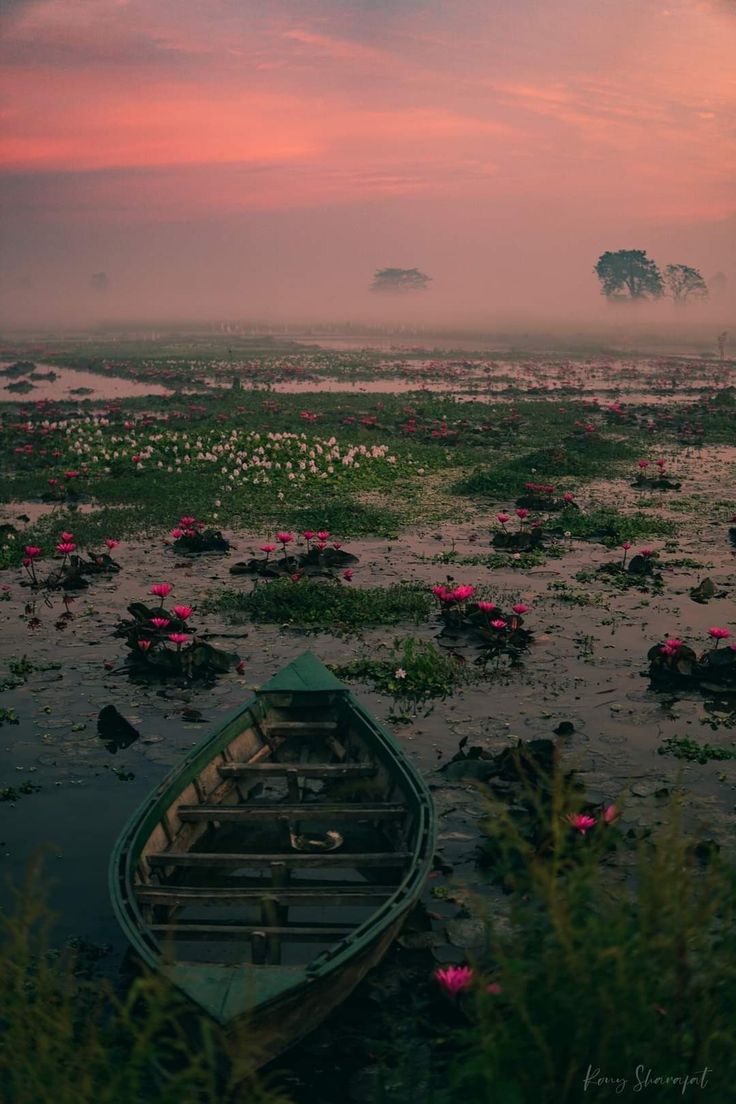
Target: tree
{"x":718,"y":283}
{"x":629,"y":274}
{"x":400,"y":280}
{"x":684,"y":282}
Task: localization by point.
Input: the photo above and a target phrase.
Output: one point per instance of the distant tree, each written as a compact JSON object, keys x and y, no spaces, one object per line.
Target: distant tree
{"x":683,"y":283}
{"x":718,"y":283}
{"x":99,"y":281}
{"x":629,"y":274}
{"x":400,"y":279}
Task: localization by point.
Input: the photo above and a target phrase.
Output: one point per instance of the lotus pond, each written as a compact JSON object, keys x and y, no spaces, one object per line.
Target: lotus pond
{"x":535,"y":562}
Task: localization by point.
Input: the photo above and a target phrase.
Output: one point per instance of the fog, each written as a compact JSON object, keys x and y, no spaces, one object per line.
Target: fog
{"x":255,"y":161}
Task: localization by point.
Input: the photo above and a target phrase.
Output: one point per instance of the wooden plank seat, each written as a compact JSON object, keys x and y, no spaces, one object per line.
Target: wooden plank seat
{"x":175,"y":895}
{"x":301,"y":728}
{"x":305,"y":932}
{"x":304,"y":770}
{"x":386,"y":810}
{"x":307,"y":859}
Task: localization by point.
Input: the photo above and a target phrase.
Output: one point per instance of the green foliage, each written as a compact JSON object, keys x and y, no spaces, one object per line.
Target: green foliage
{"x":682,"y":747}
{"x":629,"y":274}
{"x":327,"y":604}
{"x":68,"y":1040}
{"x":415,"y":671}
{"x":683,"y":282}
{"x":584,"y":457}
{"x":400,"y":279}
{"x":600,"y":970}
{"x":611,"y":527}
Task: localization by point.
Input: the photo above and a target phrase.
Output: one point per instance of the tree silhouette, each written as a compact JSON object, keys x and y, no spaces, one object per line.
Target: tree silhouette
{"x":684,"y":282}
{"x":629,"y":274}
{"x":400,"y":280}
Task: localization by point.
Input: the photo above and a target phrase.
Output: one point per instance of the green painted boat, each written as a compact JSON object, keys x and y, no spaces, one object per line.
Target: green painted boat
{"x":273,"y":868}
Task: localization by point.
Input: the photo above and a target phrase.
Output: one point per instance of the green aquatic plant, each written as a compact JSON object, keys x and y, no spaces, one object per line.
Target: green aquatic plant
{"x":682,"y":747}
{"x":414,"y":671}
{"x":326,"y":603}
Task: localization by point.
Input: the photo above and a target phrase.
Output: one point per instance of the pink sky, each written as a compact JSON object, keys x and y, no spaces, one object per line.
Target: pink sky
{"x":490,"y":143}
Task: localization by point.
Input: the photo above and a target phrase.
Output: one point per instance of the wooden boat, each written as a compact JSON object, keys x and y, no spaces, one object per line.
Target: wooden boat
{"x":272,"y":869}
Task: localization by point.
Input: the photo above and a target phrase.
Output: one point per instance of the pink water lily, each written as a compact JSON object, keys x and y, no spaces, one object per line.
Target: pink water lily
{"x":581,"y":822}
{"x":498,"y":624}
{"x":144,"y":645}
{"x":323,"y":534}
{"x":486,"y":607}
{"x":718,"y":634}
{"x":160,"y":622}
{"x":522,"y":513}
{"x":187,"y":521}
{"x":183,"y":612}
{"x":347,"y":574}
{"x":67,"y":536}
{"x":178,"y":638}
{"x":520,"y":608}
{"x":308,"y":534}
{"x":610,"y":813}
{"x":671,"y":647}
{"x":32,"y":551}
{"x":460,"y":593}
{"x":161,"y":590}
{"x":568,"y":496}
{"x":454,"y":979}
{"x":503,"y":518}
{"x":66,"y":547}
{"x":268,"y":548}
{"x":111,"y":543}
{"x":285,"y":538}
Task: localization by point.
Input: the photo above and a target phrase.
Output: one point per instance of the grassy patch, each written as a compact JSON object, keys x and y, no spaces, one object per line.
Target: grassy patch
{"x":682,"y":747}
{"x":328,"y":604}
{"x":415,"y":671}
{"x":582,"y":458}
{"x":611,"y":527}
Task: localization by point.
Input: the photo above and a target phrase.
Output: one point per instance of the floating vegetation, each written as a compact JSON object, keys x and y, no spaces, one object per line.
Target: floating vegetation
{"x":682,"y":747}
{"x":327,"y":604}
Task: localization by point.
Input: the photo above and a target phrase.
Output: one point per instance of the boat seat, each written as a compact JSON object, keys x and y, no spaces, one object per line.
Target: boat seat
{"x":262,"y":810}
{"x":307,"y":859}
{"x":305,"y":770}
{"x":304,"y":896}
{"x":194,"y":930}
{"x":301,"y":728}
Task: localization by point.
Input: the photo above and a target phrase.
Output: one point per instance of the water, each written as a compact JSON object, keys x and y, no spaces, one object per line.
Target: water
{"x":69,"y":379}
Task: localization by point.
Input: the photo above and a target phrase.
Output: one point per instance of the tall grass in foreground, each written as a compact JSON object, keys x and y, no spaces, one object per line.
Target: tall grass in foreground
{"x":68,"y":1040}
{"x":626,"y":974}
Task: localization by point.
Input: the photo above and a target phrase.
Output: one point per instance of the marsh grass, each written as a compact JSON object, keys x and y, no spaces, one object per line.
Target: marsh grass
{"x":613,"y":953}
{"x":612,"y":527}
{"x":584,"y":458}
{"x":414,"y":671}
{"x":66,"y":1038}
{"x":326,"y":604}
